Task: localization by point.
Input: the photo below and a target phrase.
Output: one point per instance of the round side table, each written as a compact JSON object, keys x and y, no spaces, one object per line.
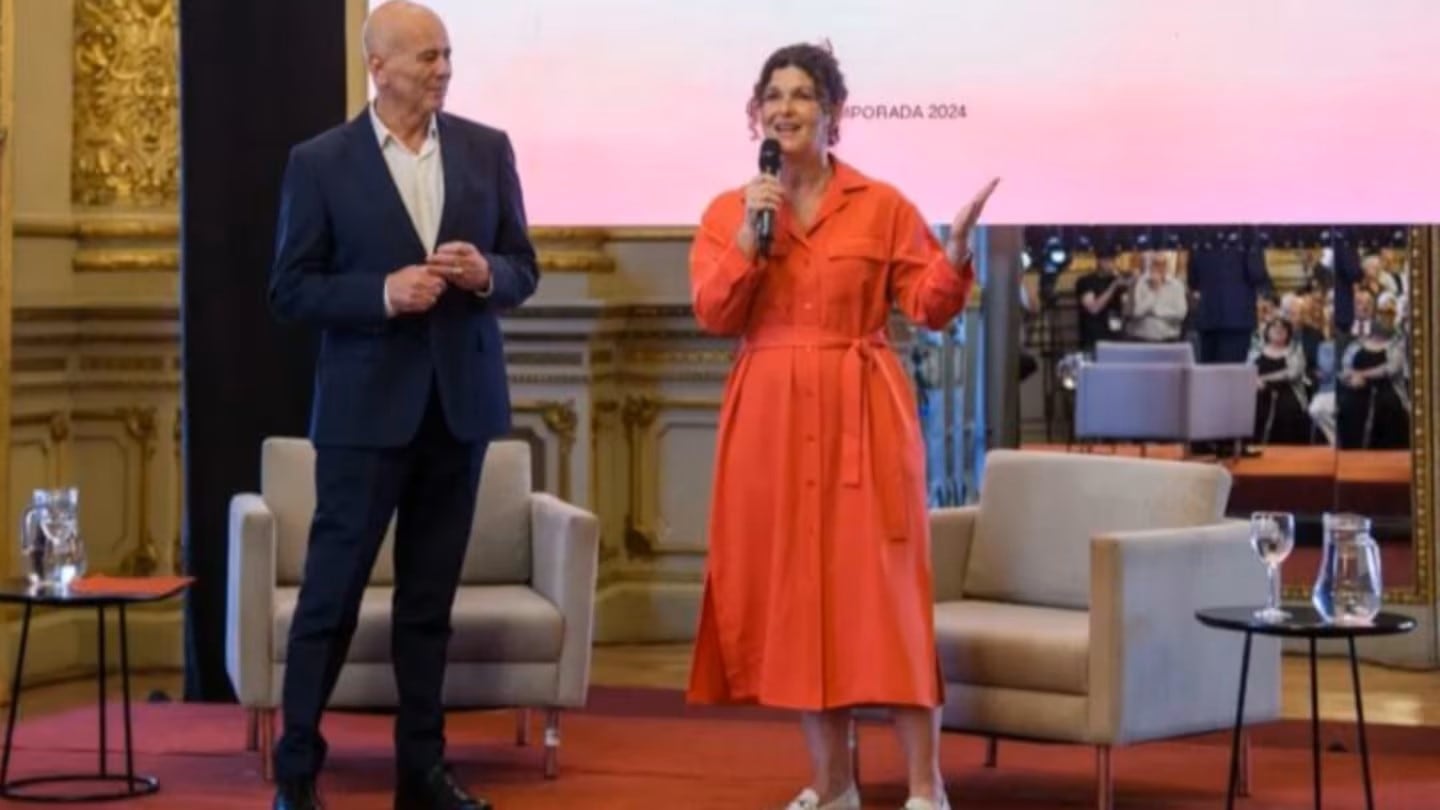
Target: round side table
{"x":1306,"y":623}
{"x":100,"y":594}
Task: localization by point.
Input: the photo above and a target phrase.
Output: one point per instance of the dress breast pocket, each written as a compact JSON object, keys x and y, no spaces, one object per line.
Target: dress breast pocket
{"x":854,"y":271}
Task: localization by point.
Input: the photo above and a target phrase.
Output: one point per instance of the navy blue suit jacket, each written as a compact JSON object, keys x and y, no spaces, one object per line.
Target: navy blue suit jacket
{"x":343,"y":228}
{"x":1228,"y":280}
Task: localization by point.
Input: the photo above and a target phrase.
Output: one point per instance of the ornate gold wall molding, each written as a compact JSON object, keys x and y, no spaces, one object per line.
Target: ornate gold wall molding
{"x":166,"y":314}
{"x":163,"y":227}
{"x":112,"y":245}
{"x":700,"y":357}
{"x":139,"y":424}
{"x":572,"y":250}
{"x":57,"y":430}
{"x":126,"y":104}
{"x":651,"y":234}
{"x":125,"y":364}
{"x":638,"y":415}
{"x":177,"y":551}
{"x":561,"y":420}
{"x":55,"y":446}
{"x":162,"y":260}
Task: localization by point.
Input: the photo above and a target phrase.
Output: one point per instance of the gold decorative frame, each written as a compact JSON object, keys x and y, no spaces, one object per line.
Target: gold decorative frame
{"x":7,"y":239}
{"x":1424,"y":263}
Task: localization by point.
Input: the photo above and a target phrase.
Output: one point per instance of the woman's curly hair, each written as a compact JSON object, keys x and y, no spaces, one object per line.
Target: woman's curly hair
{"x":819,"y":63}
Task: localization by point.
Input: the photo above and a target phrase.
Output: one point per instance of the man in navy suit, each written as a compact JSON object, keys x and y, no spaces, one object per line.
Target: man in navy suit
{"x":401,"y":236}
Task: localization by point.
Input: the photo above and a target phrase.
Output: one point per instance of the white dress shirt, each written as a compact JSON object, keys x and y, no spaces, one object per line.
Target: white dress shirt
{"x":420,"y":180}
{"x":1158,"y":314}
{"x":418,"y":177}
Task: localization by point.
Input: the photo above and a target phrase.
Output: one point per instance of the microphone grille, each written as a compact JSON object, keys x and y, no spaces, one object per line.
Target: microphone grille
{"x":770,"y":156}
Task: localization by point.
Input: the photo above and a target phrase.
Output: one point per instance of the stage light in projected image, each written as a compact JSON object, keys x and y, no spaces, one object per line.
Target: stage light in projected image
{"x":1115,"y":112}
{"x":1057,"y":255}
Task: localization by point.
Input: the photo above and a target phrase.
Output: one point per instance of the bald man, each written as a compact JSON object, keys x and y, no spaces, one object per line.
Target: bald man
{"x":401,"y":236}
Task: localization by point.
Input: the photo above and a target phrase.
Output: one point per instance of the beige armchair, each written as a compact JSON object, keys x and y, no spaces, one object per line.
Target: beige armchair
{"x":1065,"y":604}
{"x":522,"y":621}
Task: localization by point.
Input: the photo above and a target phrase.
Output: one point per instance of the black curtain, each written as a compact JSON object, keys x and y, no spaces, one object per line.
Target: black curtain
{"x":256,"y":77}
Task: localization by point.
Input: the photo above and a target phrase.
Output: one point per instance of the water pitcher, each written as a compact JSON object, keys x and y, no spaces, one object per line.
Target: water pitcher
{"x":50,"y":538}
{"x":1348,"y":585}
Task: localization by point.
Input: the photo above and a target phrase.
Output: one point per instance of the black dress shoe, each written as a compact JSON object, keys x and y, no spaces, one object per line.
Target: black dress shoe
{"x":436,"y":789}
{"x":297,"y":794}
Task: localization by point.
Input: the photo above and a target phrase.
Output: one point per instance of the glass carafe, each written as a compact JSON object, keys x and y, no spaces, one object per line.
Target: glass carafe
{"x":1348,"y":585}
{"x":50,"y":538}
{"x":35,"y":551}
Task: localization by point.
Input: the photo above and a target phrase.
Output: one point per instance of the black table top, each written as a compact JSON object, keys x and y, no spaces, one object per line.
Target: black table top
{"x":1304,"y":622}
{"x":103,"y":591}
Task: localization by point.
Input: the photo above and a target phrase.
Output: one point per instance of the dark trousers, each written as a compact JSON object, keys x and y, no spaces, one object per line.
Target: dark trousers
{"x":1224,"y":345}
{"x":432,"y":483}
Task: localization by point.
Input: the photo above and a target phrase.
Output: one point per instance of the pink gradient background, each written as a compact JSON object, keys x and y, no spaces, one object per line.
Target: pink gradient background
{"x":1122,"y":111}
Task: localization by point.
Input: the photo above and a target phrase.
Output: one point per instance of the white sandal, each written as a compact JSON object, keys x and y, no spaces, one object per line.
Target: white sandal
{"x":926,"y":804}
{"x":810,"y":800}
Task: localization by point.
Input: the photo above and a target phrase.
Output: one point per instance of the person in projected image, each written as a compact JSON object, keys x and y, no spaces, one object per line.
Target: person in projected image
{"x":1372,"y":392}
{"x":402,"y":236}
{"x":1158,"y":303}
{"x":1101,"y":294}
{"x":1280,"y":404}
{"x":818,"y":594}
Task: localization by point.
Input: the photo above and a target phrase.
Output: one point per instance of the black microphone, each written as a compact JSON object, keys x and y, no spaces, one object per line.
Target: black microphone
{"x":765,"y":222}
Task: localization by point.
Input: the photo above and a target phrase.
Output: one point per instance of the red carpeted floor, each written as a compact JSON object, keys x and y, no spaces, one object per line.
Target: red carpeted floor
{"x":637,"y":748}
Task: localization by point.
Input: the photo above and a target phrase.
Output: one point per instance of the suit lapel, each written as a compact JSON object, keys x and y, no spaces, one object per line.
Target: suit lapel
{"x":451,"y":163}
{"x":376,"y":180}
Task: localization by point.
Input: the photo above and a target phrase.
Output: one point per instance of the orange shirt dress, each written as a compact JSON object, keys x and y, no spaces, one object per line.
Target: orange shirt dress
{"x":818,"y":591}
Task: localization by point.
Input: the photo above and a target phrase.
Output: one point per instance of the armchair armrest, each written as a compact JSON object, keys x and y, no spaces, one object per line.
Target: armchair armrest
{"x":951,"y":530}
{"x":250,"y":600}
{"x":566,"y":541}
{"x":1220,"y":401}
{"x":1155,"y":671}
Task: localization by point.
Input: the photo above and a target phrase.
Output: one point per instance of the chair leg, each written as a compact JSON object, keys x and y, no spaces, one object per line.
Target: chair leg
{"x":522,"y":727}
{"x":265,"y":719}
{"x":552,"y":743}
{"x":853,"y":741}
{"x":992,"y":751}
{"x":252,"y":729}
{"x":1104,"y":786}
{"x":1245,"y":772}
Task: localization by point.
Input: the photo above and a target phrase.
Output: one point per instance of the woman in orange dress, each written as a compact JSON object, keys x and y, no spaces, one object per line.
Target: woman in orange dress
{"x":818,"y":592}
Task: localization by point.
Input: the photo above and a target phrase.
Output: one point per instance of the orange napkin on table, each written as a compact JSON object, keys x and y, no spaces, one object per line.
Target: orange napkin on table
{"x":128,"y":586}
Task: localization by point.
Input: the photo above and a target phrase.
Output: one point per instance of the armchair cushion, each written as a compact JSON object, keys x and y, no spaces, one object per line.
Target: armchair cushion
{"x":501,"y":623}
{"x":287,"y":486}
{"x":1135,"y":401}
{"x":1220,"y":401}
{"x":500,"y":550}
{"x":1013,"y":646}
{"x":1038,"y":512}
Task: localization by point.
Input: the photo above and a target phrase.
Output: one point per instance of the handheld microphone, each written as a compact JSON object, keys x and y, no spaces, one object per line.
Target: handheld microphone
{"x":765,"y":222}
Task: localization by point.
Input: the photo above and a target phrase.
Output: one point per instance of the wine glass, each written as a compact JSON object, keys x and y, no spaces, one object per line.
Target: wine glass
{"x":1272,"y":535}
